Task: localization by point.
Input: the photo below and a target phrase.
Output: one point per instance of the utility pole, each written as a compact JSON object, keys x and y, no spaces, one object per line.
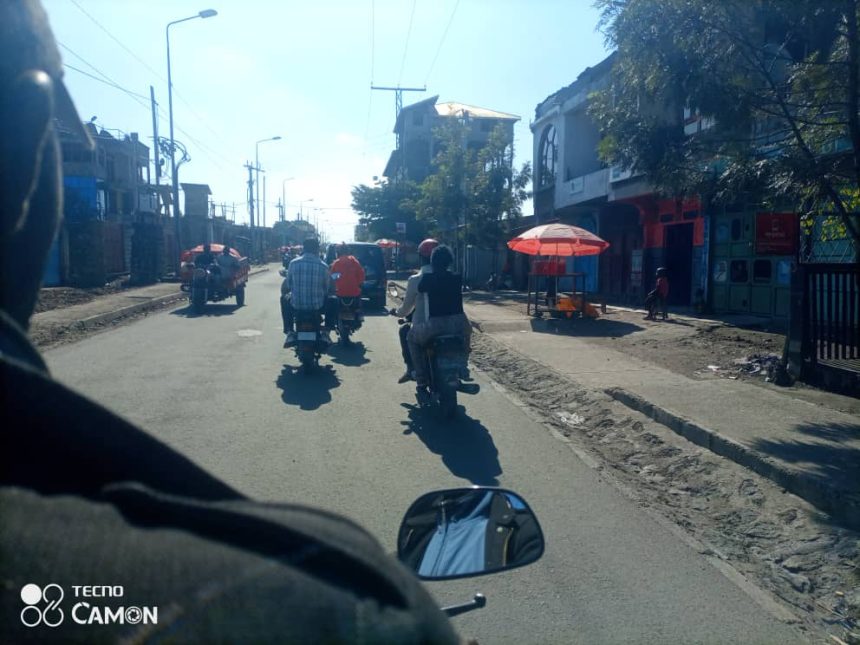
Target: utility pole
{"x":251,"y":203}
{"x":398,"y":100}
{"x":155,"y":147}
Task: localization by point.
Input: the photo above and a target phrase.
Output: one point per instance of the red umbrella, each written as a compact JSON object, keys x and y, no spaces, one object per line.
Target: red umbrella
{"x":558,"y":240}
{"x":387,"y":244}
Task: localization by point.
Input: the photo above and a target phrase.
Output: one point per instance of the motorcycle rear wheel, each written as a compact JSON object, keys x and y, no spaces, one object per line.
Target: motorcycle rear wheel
{"x":448,"y":403}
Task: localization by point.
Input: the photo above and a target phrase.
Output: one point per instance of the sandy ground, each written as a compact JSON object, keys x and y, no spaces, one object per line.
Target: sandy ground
{"x":775,"y":539}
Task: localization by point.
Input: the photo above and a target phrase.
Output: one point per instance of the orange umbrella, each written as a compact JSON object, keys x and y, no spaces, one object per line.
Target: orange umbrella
{"x":387,"y":244}
{"x":558,"y":240}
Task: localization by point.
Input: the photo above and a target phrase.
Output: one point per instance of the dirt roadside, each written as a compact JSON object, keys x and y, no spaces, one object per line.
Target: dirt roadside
{"x":776,"y":540}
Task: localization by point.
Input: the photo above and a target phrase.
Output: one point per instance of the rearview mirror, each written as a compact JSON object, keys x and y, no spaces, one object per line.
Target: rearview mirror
{"x":282,"y":273}
{"x":466,"y":532}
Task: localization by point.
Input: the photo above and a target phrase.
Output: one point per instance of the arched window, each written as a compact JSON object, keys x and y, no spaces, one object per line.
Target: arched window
{"x":547,"y":158}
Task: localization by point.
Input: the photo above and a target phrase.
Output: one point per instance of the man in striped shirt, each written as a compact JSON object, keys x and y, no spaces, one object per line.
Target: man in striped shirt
{"x":306,"y":288}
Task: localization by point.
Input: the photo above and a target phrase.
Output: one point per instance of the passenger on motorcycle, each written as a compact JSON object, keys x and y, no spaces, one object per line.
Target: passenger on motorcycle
{"x":203,"y":260}
{"x":307,"y":288}
{"x":228,"y":264}
{"x":413,"y":306}
{"x":443,"y":291}
{"x":348,"y":285}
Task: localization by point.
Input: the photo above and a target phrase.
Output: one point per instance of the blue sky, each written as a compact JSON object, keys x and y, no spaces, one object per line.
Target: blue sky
{"x":302,"y":70}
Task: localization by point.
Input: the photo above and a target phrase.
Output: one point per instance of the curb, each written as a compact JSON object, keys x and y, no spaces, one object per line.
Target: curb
{"x":154,"y":303}
{"x":841,"y":505}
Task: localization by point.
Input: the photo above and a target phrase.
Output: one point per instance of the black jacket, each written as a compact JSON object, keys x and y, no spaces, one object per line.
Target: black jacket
{"x":87,"y":498}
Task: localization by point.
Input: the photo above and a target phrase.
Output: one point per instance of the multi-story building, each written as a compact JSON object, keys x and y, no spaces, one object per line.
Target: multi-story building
{"x":739,"y":253}
{"x":417,"y":143}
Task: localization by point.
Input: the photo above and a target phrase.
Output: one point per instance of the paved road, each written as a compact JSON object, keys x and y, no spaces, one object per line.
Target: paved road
{"x":220,"y":389}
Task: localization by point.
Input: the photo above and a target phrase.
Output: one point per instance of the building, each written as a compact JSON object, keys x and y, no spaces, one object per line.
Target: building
{"x":417,"y":144}
{"x":738,"y":257}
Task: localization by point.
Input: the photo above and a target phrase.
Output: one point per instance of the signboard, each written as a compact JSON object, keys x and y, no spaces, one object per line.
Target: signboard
{"x":401,"y":228}
{"x":776,"y":233}
{"x":721,"y":271}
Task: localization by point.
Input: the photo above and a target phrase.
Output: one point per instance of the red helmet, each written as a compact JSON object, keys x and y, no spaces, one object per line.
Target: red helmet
{"x":426,"y":247}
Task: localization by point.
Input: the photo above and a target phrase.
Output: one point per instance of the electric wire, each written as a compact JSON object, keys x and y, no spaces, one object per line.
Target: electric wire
{"x":147,"y":66}
{"x":107,"y":80}
{"x":441,"y":42}
{"x":406,"y":46}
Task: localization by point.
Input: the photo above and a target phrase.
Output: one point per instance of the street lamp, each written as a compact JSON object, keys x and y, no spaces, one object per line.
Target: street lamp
{"x":257,"y":165}
{"x":302,"y":207}
{"x":206,"y":13}
{"x":284,"y":197}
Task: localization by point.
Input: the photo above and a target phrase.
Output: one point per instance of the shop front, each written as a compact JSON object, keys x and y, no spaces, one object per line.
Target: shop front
{"x":754,"y":252}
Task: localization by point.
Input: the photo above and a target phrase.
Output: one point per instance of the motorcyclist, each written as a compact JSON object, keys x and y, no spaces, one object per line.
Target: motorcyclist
{"x":413,"y":305}
{"x":443,"y":291}
{"x":350,"y":276}
{"x":307,"y":287}
{"x":206,"y":258}
{"x":87,"y":497}
{"x":227,"y":264}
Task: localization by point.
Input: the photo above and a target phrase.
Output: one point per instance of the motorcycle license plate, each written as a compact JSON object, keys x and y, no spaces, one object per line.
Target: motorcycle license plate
{"x":307,"y":335}
{"x":347,"y":315}
{"x":450,"y":362}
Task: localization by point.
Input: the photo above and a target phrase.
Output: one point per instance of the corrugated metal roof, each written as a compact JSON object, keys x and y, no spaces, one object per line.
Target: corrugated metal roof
{"x":453,"y":108}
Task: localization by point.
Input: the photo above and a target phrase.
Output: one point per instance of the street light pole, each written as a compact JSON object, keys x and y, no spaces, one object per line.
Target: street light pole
{"x":284,"y":197}
{"x":257,"y":166}
{"x":174,"y":176}
{"x":302,"y":207}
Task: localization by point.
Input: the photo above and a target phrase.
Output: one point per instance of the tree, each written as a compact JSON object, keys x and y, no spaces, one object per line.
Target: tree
{"x":474,"y":195}
{"x":380,"y":207}
{"x":775,"y":84}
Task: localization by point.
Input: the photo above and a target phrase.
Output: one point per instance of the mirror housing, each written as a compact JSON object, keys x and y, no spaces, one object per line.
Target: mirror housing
{"x":464,"y":532}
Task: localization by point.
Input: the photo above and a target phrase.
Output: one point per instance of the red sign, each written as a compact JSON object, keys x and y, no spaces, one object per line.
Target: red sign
{"x":776,"y":233}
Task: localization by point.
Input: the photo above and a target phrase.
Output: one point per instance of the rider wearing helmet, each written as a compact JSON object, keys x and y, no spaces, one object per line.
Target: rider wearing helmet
{"x":87,"y":496}
{"x":414,"y":306}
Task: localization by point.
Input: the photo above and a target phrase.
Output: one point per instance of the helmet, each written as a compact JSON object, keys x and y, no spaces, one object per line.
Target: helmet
{"x":426,"y":247}
{"x":662,"y":271}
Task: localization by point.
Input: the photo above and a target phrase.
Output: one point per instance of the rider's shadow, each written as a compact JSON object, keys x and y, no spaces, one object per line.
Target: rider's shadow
{"x":465,"y":445}
{"x":307,"y":391}
{"x":353,"y":355}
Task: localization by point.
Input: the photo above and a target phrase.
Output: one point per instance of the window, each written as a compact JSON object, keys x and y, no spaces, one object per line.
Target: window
{"x":486,"y":125}
{"x":737,"y":229}
{"x":418,"y":119}
{"x":762,"y":271}
{"x":547,"y":157}
{"x":739,"y":271}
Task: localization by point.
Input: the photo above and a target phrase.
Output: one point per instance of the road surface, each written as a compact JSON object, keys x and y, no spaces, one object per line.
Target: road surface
{"x":220,"y":389}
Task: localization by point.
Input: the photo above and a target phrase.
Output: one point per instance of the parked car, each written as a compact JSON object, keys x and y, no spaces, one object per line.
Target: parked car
{"x":371,"y":259}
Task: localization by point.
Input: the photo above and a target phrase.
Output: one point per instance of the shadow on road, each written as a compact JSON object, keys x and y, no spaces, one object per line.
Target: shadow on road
{"x":352,"y":355}
{"x":213,"y":309}
{"x":584,"y":327}
{"x":307,"y":391}
{"x":465,"y":445}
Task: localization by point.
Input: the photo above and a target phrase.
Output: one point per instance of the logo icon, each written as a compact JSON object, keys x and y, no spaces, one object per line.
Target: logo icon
{"x":51,"y":596}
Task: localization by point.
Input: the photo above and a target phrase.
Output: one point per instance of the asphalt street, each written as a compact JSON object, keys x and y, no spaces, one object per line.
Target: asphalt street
{"x":220,"y":389}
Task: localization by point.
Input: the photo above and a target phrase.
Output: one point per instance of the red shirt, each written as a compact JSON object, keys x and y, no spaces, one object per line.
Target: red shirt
{"x":351,"y":276}
{"x":662,"y":287}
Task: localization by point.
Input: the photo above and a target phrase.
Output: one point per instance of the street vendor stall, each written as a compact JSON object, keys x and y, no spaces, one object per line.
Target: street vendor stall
{"x":555,"y":242}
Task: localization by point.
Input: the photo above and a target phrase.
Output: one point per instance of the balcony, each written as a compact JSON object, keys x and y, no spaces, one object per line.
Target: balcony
{"x":584,"y":188}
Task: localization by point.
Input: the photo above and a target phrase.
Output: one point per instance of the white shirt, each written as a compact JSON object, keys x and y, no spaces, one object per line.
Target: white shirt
{"x":414,"y":300}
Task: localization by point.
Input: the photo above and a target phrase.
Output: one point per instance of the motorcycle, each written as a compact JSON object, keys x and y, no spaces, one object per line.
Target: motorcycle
{"x":310,"y":343}
{"x":467,"y":532}
{"x":349,"y":317}
{"x":445,"y":358}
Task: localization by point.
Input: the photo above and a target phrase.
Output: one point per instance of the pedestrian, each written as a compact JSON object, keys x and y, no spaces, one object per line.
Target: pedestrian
{"x":658,"y":298}
{"x":86,"y":495}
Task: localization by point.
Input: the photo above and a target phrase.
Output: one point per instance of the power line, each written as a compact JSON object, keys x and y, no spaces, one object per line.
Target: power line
{"x":107,"y":80}
{"x":101,"y":80}
{"x":406,"y":46}
{"x":147,"y":66}
{"x":441,"y":42}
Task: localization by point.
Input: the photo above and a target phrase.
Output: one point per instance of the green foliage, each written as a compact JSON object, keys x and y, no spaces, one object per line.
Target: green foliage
{"x":380,"y":207}
{"x":474,"y":193}
{"x":776,"y":80}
